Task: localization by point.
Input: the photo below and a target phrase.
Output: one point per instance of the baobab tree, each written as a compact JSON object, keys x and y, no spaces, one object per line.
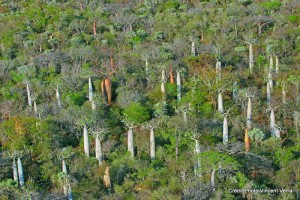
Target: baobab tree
{"x":98,"y":131}
{"x":151,"y":125}
{"x":63,"y":155}
{"x":129,"y":125}
{"x":250,"y":41}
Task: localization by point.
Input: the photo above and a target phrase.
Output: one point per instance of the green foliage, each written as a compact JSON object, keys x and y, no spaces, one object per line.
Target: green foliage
{"x":256,"y":135}
{"x":136,"y":113}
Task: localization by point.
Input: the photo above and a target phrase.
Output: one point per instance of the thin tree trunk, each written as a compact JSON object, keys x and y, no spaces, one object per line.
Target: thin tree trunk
{"x":193,"y":52}
{"x":162,"y":88}
{"x":58,"y":98}
{"x":198,"y":161}
{"x":86,"y":141}
{"x":130,"y":142}
{"x":268,"y":93}
{"x":185,"y":117}
{"x":220,"y":103}
{"x":212,"y":179}
{"x":270,"y":80}
{"x":28,"y":95}
{"x":251,"y":59}
{"x":20,"y":172}
{"x":35,"y":109}
{"x":106,"y":178}
{"x":95,"y":29}
{"x":70,"y":194}
{"x":152,"y":144}
{"x":90,"y":90}
{"x":147,"y":66}
{"x":172,"y":81}
{"x":249,"y":114}
{"x":218,"y":70}
{"x":99,"y":152}
{"x":271,"y":63}
{"x":64,"y":170}
{"x":276,"y":65}
{"x":247,"y":141}
{"x":225,"y":130}
{"x":177,"y":145}
{"x":178,"y":81}
{"x":296,"y":121}
{"x":234,"y":92}
{"x":15,"y":171}
{"x":272,"y":122}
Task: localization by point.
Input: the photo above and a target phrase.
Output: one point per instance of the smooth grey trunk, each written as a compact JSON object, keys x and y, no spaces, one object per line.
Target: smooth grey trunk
{"x":212,"y":179}
{"x":162,"y":88}
{"x":197,"y":167}
{"x":147,"y":65}
{"x":276,"y":65}
{"x":270,"y":81}
{"x":90,"y":90}
{"x":28,"y":95}
{"x":20,"y":172}
{"x":268,"y":93}
{"x":86,"y":141}
{"x":178,"y":82}
{"x":35,"y":109}
{"x":251,"y":59}
{"x":64,"y":170}
{"x":152,"y":144}
{"x":271,"y":63}
{"x":58,"y":98}
{"x":193,"y":52}
{"x":70,"y":194}
{"x":249,"y":114}
{"x":272,"y":122}
{"x":218,"y":70}
{"x":15,"y":171}
{"x":220,"y":103}
{"x":99,"y":152}
{"x":225,"y":130}
{"x":130,"y":142}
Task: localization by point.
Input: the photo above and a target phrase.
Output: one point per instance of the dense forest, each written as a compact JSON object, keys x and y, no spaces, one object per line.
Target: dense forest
{"x":150,"y":99}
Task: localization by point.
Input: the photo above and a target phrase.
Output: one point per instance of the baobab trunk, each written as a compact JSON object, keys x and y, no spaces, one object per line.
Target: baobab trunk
{"x":95,"y":28}
{"x":225,"y":130}
{"x":249,"y":114}
{"x":178,"y":86}
{"x":28,"y":95}
{"x":272,"y":122}
{"x":35,"y":109}
{"x":147,"y":65}
{"x":268,"y":93}
{"x":270,"y":81}
{"x":193,"y":52}
{"x":20,"y":172}
{"x":15,"y":171}
{"x":99,"y":152}
{"x":58,"y":98}
{"x":152,"y":144}
{"x":86,"y":141}
{"x":271,"y":63}
{"x":90,"y":90}
{"x":251,"y":59}
{"x":106,"y":179}
{"x":185,"y":117}
{"x":70,"y":194}
{"x":64,"y":170}
{"x":107,"y":83}
{"x":130,"y":142}
{"x":247,"y":141}
{"x":220,"y":103}
{"x":162,"y":88}
{"x":218,"y":70}
{"x":198,"y":162}
{"x":296,"y":121}
{"x":172,"y":81}
{"x":212,"y":179}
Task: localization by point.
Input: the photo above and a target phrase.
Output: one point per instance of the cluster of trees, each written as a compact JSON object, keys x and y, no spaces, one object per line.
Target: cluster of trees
{"x":149,"y":99}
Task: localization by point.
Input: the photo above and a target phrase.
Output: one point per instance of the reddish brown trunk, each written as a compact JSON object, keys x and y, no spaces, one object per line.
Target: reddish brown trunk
{"x":102,"y":87}
{"x":108,"y":89}
{"x":247,"y":141}
{"x":171,"y":76}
